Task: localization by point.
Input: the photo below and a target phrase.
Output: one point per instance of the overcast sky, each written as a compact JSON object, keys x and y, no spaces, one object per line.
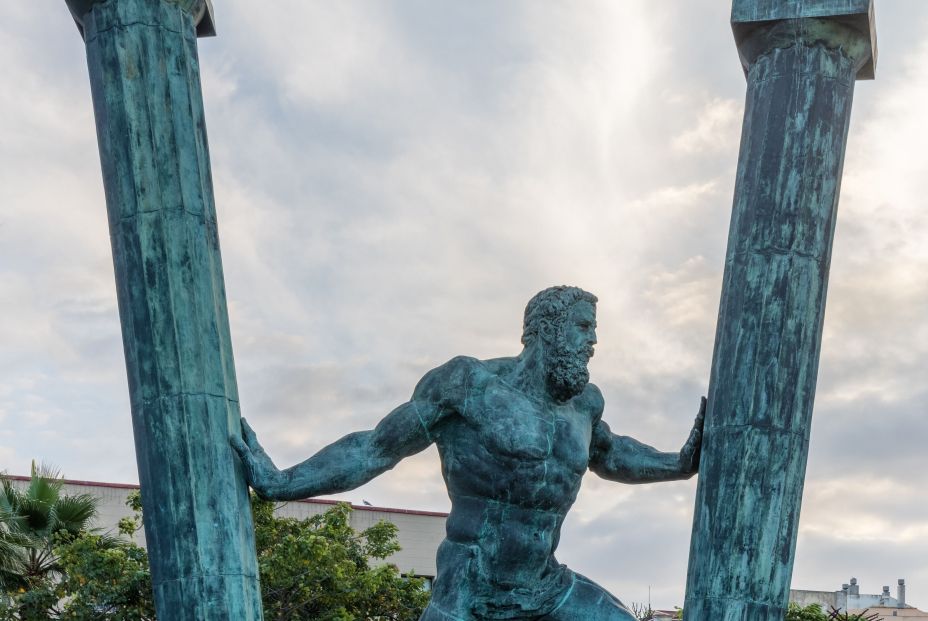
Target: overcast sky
{"x":395,"y":179}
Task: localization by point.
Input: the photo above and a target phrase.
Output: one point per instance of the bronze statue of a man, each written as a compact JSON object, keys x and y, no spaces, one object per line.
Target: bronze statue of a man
{"x":515,"y":436}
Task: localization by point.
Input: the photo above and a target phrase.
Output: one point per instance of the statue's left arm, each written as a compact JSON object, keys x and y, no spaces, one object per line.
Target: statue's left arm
{"x":624,"y":459}
{"x":343,"y":465}
{"x":358,"y":457}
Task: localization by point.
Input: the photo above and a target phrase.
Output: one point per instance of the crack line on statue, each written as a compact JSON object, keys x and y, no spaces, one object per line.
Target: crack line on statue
{"x":187,"y":394}
{"x":129,"y":25}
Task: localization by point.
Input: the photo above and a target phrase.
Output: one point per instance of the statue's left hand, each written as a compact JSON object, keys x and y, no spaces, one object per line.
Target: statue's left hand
{"x":260,"y":471}
{"x":689,"y":454}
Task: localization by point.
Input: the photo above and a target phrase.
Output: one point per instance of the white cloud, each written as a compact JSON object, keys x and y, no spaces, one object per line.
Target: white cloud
{"x":394,"y":181}
{"x":718,"y":128}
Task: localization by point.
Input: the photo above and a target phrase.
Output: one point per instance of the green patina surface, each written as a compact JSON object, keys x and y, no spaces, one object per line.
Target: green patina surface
{"x":201,"y":11}
{"x":800,"y":76}
{"x":856,"y":15}
{"x":142,"y":59}
{"x":515,"y":436}
{"x":765,"y":10}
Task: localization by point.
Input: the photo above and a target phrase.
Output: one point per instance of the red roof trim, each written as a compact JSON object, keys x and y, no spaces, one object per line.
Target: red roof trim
{"x":16,"y":477}
{"x":323,"y":501}
{"x":316,"y":501}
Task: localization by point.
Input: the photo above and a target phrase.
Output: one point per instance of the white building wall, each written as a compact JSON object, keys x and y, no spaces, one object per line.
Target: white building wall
{"x":850,"y":599}
{"x":419,"y":532}
{"x":825,"y":599}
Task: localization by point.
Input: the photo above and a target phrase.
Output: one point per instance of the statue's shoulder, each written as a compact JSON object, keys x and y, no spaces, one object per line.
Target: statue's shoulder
{"x":591,"y":401}
{"x":498,"y":366}
{"x":460,"y":369}
{"x":449,"y":382}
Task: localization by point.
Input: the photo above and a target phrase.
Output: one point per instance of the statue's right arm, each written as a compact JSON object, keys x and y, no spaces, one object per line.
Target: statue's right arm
{"x":358,"y":457}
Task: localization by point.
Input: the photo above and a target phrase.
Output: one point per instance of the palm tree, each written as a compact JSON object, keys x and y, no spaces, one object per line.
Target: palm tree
{"x":13,"y":547}
{"x":35,"y":517}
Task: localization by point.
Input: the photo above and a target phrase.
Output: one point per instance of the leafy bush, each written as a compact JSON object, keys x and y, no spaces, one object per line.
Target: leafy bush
{"x":315,"y":569}
{"x":319,"y":569}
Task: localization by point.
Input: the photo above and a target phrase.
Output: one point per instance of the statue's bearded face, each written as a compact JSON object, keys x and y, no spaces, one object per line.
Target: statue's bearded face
{"x":570,"y":351}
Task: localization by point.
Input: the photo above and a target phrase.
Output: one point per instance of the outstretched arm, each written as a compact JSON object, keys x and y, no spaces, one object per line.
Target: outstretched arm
{"x":358,"y":457}
{"x":341,"y":466}
{"x":624,"y":459}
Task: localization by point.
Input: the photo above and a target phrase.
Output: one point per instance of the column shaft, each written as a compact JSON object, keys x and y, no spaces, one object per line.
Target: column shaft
{"x":144,"y":72}
{"x":800,"y":76}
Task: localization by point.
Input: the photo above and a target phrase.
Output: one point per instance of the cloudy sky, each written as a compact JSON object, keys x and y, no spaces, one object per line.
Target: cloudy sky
{"x":395,"y":179}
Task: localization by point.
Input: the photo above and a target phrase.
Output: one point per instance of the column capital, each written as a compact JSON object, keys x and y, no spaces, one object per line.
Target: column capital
{"x":849,"y":24}
{"x":202,"y":11}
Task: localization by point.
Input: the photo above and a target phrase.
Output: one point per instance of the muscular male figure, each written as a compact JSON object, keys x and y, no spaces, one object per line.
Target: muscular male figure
{"x":515,"y":436}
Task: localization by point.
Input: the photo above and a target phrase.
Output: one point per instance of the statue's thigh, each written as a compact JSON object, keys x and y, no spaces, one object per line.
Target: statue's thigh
{"x":433,"y":613}
{"x":590,"y":602}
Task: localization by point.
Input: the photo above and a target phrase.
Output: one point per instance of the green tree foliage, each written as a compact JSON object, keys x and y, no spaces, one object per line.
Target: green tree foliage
{"x":13,"y":547}
{"x":105,"y":577}
{"x":812,"y":612}
{"x":316,"y":569}
{"x":642,"y":612}
{"x":319,"y":569}
{"x":866,"y":615}
{"x":98,"y":581}
{"x":63,"y":570}
{"x":33,"y":519}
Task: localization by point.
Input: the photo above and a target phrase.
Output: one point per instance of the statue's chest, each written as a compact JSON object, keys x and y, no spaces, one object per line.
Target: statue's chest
{"x":511,"y":425}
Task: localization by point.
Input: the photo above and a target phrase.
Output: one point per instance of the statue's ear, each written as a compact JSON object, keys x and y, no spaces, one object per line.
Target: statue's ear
{"x":546,"y":330}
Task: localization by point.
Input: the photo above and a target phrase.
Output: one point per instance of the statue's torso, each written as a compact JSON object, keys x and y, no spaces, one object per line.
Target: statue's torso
{"x":513,"y":466}
{"x":506,"y":446}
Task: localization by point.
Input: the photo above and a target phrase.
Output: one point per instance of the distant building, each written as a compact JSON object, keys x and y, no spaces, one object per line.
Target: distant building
{"x":418,"y":532}
{"x":850,"y":599}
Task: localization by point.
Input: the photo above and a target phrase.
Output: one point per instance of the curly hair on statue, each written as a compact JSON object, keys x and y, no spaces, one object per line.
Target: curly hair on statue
{"x":551,"y":305}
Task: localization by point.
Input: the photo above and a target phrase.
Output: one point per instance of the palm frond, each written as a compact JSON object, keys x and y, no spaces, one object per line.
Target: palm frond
{"x":14,"y":546}
{"x":44,"y":484}
{"x":41,"y":562}
{"x":7,"y":493}
{"x":74,"y":513}
{"x":108,"y":540}
{"x":35,"y":514}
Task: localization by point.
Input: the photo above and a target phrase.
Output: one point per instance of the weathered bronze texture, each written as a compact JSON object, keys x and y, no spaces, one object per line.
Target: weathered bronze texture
{"x":746,"y":15}
{"x":801,"y":66}
{"x":200,"y":10}
{"x":515,"y":436}
{"x":145,"y":81}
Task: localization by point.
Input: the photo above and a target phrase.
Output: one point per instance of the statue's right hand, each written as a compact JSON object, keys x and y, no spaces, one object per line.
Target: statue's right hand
{"x":260,"y":471}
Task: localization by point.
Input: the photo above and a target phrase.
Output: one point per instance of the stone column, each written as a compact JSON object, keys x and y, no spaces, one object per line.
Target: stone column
{"x":145,"y":81}
{"x":801,"y":59}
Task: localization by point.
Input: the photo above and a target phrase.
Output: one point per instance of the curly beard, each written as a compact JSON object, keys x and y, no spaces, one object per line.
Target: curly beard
{"x":567,"y":372}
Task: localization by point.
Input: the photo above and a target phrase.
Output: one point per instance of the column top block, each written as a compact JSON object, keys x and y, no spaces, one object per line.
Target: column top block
{"x":746,"y":15}
{"x":763,"y":10}
{"x":202,"y":11}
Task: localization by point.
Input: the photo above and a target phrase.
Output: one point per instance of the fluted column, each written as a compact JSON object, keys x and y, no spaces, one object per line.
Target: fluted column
{"x":145,"y":82}
{"x":801,"y":60}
